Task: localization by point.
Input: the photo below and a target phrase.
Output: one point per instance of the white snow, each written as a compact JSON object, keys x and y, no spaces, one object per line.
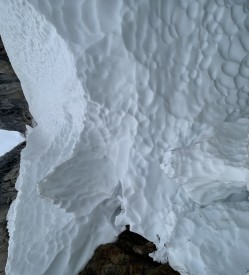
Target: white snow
{"x":142,"y":119}
{"x":8,"y":140}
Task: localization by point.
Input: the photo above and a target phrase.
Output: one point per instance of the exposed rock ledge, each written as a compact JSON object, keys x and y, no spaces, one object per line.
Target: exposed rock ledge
{"x":128,"y":255}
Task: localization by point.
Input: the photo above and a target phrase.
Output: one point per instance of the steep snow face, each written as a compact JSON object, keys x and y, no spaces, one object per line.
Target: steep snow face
{"x":142,"y":113}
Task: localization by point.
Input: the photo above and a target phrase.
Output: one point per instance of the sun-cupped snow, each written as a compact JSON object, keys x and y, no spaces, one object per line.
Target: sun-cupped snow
{"x":142,"y":119}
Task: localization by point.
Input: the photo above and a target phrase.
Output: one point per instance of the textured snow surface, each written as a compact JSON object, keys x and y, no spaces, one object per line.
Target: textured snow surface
{"x":142,"y":112}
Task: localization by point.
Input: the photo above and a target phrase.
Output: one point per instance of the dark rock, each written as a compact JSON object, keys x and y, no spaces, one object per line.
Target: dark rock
{"x":3,"y":237}
{"x":9,"y":170}
{"x":14,"y":110}
{"x":128,"y":255}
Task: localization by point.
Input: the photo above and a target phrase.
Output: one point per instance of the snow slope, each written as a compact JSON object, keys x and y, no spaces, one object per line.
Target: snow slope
{"x":142,"y":113}
{"x":8,"y":140}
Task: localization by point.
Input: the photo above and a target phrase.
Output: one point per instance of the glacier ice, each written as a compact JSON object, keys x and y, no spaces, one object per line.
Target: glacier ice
{"x":142,"y":119}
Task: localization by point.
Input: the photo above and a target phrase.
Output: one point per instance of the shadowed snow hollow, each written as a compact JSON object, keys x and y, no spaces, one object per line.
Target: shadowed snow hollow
{"x":142,"y":112}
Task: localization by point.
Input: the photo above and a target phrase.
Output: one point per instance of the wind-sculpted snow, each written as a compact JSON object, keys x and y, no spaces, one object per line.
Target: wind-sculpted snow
{"x":142,"y":119}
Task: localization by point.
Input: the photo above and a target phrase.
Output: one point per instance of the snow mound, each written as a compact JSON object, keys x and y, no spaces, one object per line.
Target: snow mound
{"x":142,"y":119}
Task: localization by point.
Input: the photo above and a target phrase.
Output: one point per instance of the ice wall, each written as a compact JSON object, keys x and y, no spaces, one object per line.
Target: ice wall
{"x":142,"y":112}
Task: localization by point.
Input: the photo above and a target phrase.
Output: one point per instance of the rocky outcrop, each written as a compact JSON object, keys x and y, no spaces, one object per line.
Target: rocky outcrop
{"x":14,"y":111}
{"x":3,"y":238}
{"x":128,"y":255}
{"x":9,"y":170}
